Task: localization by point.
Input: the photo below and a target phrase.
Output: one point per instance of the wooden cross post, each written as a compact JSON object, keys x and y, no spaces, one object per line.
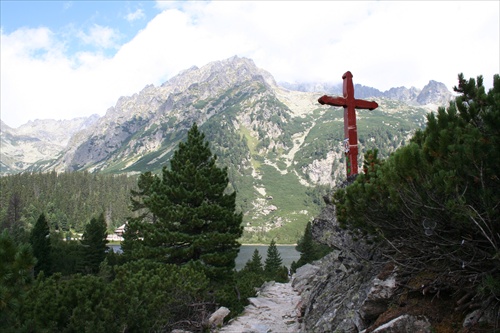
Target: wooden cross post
{"x":350,"y":131}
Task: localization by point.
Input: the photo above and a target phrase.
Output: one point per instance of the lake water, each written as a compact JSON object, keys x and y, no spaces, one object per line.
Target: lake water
{"x":287,"y":252}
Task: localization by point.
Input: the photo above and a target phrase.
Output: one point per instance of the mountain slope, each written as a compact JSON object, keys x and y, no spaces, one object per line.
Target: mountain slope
{"x":282,"y":148}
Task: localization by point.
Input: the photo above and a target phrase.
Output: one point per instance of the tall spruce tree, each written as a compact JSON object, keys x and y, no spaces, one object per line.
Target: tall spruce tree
{"x":273,"y":264}
{"x":195,"y":219}
{"x":94,"y":244}
{"x":141,"y":214}
{"x":40,"y":242}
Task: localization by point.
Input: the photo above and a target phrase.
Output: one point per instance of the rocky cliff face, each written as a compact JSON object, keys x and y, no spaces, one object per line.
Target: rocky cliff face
{"x":352,"y":286}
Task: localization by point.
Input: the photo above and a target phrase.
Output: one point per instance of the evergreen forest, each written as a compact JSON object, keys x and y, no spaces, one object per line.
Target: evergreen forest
{"x":68,"y":200}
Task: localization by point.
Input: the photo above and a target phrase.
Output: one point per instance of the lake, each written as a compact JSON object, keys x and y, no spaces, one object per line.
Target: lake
{"x":287,"y":252}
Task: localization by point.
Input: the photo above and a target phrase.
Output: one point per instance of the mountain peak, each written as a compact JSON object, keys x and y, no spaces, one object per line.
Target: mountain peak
{"x":434,"y":93}
{"x":221,"y":73}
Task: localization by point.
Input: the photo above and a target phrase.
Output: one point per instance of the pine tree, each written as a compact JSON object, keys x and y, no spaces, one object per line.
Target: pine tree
{"x":195,"y":219}
{"x":309,"y":249}
{"x":273,"y":263}
{"x":306,"y":247}
{"x":94,"y":244}
{"x":40,"y":242}
{"x":254,"y":265}
{"x":142,"y":215}
{"x":13,"y":220}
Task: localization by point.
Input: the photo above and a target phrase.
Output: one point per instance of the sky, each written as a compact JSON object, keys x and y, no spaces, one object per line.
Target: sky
{"x":67,"y":59}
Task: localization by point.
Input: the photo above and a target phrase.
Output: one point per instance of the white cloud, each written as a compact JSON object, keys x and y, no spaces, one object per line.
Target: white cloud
{"x":134,"y":16}
{"x":99,"y":36}
{"x":384,"y":44}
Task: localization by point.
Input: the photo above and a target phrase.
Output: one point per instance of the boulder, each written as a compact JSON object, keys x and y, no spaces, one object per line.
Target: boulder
{"x":378,"y":298}
{"x":217,"y":318}
{"x":303,"y":277}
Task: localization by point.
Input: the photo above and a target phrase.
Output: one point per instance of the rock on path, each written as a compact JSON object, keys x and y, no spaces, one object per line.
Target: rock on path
{"x":275,"y":309}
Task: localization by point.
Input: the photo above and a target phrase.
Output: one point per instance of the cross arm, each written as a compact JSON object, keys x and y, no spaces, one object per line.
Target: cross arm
{"x":335,"y":101}
{"x":362,"y":104}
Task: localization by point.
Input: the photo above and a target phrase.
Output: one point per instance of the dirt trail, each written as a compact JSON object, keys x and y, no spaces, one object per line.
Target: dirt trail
{"x":275,"y":310}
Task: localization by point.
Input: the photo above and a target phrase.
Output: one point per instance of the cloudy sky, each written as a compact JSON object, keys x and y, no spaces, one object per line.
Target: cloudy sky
{"x":65,"y":59}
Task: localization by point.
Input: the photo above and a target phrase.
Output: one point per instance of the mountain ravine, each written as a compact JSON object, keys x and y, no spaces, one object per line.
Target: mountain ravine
{"x":282,"y":148}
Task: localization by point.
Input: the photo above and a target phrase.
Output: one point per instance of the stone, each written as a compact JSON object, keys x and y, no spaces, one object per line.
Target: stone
{"x":405,"y":323}
{"x":378,"y":298}
{"x":303,"y":276}
{"x":487,"y":316}
{"x":217,"y":318}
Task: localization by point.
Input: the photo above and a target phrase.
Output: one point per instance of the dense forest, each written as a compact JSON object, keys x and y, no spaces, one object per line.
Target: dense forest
{"x":69,"y":200}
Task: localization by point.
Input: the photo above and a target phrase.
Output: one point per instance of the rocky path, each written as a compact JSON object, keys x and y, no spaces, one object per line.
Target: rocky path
{"x":275,"y":310}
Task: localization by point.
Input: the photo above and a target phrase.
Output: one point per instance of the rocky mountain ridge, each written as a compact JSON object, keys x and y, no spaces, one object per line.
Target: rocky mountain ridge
{"x":36,"y":141}
{"x":145,"y":104}
{"x":433,"y":93}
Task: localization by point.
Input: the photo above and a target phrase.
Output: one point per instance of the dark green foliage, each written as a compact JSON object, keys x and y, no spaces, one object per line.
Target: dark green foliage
{"x":94,"y":244}
{"x":141,"y":213}
{"x":69,"y":200}
{"x":309,"y":249}
{"x":255,"y":263}
{"x":16,"y":273}
{"x":273,"y":261}
{"x":40,"y":242}
{"x":66,"y":255}
{"x":159,"y":295}
{"x":143,"y":297}
{"x":13,"y":220}
{"x":436,"y":200}
{"x":195,"y":217}
{"x":273,"y":265}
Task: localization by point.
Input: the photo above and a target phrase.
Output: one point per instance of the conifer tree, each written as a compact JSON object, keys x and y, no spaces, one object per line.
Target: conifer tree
{"x":273,"y":263}
{"x":195,"y":219}
{"x":40,"y":242}
{"x":133,"y":229}
{"x":306,"y":246}
{"x":254,"y":265}
{"x":16,"y":264}
{"x":94,"y":244}
{"x":309,"y":249}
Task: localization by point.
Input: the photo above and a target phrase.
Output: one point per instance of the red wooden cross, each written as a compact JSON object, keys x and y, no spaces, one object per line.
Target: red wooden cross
{"x":350,"y":132}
